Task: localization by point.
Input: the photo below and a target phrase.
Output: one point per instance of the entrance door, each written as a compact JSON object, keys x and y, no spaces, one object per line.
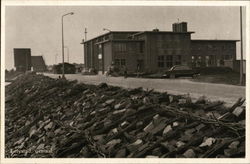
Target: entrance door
{"x":140,"y":65}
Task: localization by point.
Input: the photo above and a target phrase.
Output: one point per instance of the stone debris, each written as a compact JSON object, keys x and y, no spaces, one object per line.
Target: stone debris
{"x":56,"y":118}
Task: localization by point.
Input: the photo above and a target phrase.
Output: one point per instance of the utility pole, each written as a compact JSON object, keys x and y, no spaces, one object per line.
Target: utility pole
{"x":56,"y":58}
{"x":241,"y":49}
{"x":85,"y":34}
{"x":63,"y":74}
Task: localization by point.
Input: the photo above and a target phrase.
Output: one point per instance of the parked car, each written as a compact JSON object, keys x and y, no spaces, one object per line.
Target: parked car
{"x":180,"y":71}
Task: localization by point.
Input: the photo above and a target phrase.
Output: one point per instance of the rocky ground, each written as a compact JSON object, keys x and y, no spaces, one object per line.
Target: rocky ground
{"x":57,"y":118}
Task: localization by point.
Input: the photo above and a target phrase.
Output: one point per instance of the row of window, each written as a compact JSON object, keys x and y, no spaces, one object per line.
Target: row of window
{"x":122,"y":47}
{"x":212,"y":47}
{"x":167,"y":60}
{"x":120,"y":62}
{"x":224,"y":57}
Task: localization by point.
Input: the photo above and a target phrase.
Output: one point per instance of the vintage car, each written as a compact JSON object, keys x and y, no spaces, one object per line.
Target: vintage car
{"x":180,"y":71}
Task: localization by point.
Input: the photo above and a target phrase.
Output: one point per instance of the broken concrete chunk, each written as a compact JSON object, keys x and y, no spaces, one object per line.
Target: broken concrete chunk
{"x":50,"y":134}
{"x":98,"y":137}
{"x":208,"y":142}
{"x":130,"y":111}
{"x":71,"y":123}
{"x":156,"y":117}
{"x":132,"y":147}
{"x":121,"y":153}
{"x":179,"y":144}
{"x":119,"y":111}
{"x":171,"y":98}
{"x":33,"y":130}
{"x":230,"y":152}
{"x":175,"y":124}
{"x":49,"y":126}
{"x":114,"y":131}
{"x":189,"y":153}
{"x":41,"y":146}
{"x":159,"y":127}
{"x":186,"y":137}
{"x":114,"y":142}
{"x":238,"y":111}
{"x":103,"y":110}
{"x":157,"y":151}
{"x":146,"y":100}
{"x":234,"y":145}
{"x":120,"y":105}
{"x":124,"y":124}
{"x":110,"y":101}
{"x":19,"y":141}
{"x":166,"y":130}
{"x":190,"y":131}
{"x":93,"y":113}
{"x":139,"y":124}
{"x":200,"y":127}
{"x":182,"y":101}
{"x":149,"y":127}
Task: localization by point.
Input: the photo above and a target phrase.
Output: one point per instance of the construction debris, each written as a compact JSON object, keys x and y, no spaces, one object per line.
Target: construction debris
{"x":54,"y":118}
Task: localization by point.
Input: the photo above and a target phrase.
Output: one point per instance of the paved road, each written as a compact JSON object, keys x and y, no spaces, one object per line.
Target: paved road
{"x":227,"y":93}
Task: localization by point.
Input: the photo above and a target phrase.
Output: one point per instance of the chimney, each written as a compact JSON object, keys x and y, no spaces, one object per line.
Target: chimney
{"x":180,"y":27}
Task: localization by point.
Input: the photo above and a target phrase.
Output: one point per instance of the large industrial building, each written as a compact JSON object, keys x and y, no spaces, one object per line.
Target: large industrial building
{"x":154,"y":51}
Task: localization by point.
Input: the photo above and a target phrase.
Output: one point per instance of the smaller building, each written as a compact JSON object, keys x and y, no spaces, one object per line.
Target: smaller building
{"x":38,"y":64}
{"x":22,"y":59}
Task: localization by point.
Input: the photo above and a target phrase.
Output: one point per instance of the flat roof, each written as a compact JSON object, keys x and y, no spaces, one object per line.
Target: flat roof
{"x":138,"y":33}
{"x":163,"y":32}
{"x":110,"y":33}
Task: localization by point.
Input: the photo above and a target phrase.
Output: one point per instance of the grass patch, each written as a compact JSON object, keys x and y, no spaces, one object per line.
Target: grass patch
{"x":232,"y":78}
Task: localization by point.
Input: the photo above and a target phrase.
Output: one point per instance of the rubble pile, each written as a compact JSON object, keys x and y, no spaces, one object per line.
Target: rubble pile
{"x":58,"y":118}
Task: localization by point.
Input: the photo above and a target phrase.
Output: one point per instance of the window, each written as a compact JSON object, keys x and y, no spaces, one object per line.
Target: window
{"x":141,"y":47}
{"x":117,"y":62}
{"x":178,"y":60}
{"x":228,"y":57}
{"x":169,"y":61}
{"x":123,"y":62}
{"x":120,"y":47}
{"x":161,"y":61}
{"x":182,"y":68}
{"x":120,"y":62}
{"x":207,"y":60}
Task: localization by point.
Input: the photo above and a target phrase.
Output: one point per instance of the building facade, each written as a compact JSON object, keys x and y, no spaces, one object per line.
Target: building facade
{"x":153,"y":51}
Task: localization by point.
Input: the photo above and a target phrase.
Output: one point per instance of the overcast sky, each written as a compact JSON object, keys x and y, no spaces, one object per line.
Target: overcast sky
{"x":39,"y":27}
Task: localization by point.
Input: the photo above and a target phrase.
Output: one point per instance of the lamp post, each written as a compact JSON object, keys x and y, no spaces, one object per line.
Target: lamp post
{"x":71,"y":13}
{"x":56,"y":58}
{"x":67,"y":52}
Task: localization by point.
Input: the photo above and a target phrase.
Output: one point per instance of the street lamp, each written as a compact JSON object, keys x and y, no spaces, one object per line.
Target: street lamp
{"x":67,"y":52}
{"x":71,"y":13}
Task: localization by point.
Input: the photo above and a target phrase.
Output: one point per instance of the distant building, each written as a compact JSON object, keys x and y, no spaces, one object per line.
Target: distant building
{"x":152,"y":51}
{"x":38,"y":64}
{"x":22,"y":59}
